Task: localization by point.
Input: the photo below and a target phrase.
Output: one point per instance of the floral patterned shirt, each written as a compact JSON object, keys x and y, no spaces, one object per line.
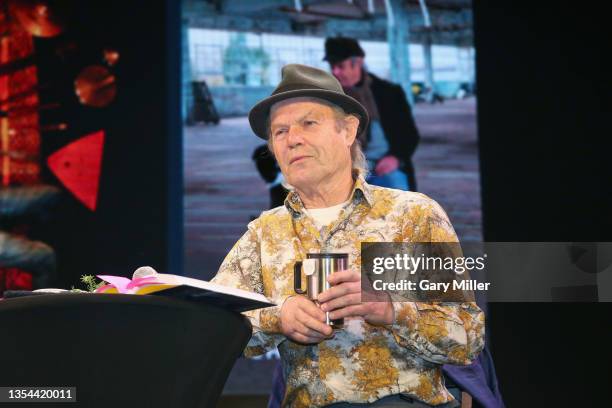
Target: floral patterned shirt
{"x":362,"y":362}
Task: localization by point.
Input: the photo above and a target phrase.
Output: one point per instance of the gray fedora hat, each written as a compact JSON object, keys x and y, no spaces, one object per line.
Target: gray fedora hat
{"x":299,"y":81}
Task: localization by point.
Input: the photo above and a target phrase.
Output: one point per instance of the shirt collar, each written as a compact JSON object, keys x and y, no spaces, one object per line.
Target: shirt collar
{"x":362,"y":191}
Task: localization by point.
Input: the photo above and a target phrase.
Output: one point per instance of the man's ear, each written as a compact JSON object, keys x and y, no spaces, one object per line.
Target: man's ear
{"x":352,"y":124}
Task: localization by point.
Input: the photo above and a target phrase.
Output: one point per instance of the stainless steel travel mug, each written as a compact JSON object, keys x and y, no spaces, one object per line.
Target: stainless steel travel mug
{"x":318,"y":267}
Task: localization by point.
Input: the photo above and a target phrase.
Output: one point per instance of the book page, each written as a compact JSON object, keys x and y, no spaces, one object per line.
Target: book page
{"x":213,"y":287}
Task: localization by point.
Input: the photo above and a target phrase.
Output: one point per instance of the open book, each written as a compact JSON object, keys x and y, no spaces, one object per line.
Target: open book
{"x":148,"y":282}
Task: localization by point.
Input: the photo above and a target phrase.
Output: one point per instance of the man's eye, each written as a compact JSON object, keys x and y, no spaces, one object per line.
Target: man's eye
{"x":310,"y":122}
{"x":279,"y":132}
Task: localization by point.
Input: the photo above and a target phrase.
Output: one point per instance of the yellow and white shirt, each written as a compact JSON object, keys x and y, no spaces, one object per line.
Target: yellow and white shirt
{"x":362,"y":362}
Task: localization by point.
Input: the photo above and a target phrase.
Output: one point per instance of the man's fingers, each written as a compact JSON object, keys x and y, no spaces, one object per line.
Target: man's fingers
{"x":300,"y":338}
{"x":386,"y":165}
{"x":342,"y":301}
{"x":332,"y":293}
{"x":340,"y":290}
{"x":309,"y":308}
{"x":343,"y":282}
{"x":304,"y":330}
{"x":304,"y":321}
{"x":355,"y":310}
{"x":381,"y":170}
{"x":313,"y":324}
{"x":343,"y":276}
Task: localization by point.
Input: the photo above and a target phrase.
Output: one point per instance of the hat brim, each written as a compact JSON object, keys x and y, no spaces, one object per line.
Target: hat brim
{"x":258,"y":115}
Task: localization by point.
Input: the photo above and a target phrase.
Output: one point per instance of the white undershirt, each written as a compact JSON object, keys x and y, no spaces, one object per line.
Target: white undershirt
{"x":322,"y":217}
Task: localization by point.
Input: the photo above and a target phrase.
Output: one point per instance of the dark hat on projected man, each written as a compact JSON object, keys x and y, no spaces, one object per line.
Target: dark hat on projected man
{"x":338,"y":49}
{"x":304,"y":81}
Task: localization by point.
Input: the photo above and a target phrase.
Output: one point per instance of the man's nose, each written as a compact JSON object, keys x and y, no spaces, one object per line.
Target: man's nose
{"x":294,"y":136}
{"x":336,"y":71}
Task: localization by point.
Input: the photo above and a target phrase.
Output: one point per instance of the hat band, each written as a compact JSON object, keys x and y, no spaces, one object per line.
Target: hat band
{"x":301,"y":87}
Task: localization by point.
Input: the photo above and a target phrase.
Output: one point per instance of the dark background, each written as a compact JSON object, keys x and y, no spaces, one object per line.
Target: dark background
{"x":543,"y":106}
{"x":139,"y":216}
{"x":543,"y":114}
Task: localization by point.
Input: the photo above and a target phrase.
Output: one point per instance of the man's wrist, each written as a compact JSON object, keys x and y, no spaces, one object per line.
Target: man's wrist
{"x":283,"y":301}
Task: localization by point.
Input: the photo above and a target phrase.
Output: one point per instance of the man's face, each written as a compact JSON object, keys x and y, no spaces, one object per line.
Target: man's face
{"x":348,"y":72}
{"x":309,"y":146}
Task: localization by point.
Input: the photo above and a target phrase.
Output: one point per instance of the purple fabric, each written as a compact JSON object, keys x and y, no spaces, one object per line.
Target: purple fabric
{"x":278,"y":387}
{"x":478,"y":379}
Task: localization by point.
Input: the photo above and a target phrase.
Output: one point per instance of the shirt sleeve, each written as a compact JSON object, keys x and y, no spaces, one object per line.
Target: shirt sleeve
{"x":242,"y":269}
{"x":439,"y":332}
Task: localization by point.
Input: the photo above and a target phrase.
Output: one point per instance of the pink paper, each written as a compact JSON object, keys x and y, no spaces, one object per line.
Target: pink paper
{"x":135,"y":283}
{"x":119,"y":282}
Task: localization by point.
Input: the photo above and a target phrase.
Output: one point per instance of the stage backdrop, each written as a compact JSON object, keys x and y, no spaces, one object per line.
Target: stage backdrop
{"x":139,"y":185}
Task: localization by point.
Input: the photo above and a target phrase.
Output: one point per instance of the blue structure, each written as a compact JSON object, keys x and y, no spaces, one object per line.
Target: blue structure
{"x":398,"y":44}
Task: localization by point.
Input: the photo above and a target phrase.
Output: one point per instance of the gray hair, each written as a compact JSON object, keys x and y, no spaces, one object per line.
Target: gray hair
{"x":358,"y":160}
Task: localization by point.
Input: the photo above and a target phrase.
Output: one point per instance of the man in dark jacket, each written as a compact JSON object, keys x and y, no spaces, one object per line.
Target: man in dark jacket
{"x":392,"y":137}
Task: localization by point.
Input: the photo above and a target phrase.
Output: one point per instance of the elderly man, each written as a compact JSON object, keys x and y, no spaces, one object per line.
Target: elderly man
{"x":388,"y":353}
{"x":392,"y":137}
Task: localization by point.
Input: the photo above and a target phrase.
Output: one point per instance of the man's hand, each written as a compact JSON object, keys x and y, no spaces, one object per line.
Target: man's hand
{"x":303,"y":321}
{"x":343,"y":299}
{"x":386,"y":165}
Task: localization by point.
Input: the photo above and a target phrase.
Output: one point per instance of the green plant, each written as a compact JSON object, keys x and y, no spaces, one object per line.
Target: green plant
{"x":91,"y":283}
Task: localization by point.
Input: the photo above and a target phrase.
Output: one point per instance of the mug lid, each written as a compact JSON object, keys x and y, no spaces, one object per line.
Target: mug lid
{"x":309,"y":266}
{"x":324,"y":255}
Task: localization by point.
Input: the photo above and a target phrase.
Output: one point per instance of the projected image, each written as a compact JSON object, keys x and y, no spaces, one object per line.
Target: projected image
{"x":229,"y":175}
{"x":415,"y":75}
